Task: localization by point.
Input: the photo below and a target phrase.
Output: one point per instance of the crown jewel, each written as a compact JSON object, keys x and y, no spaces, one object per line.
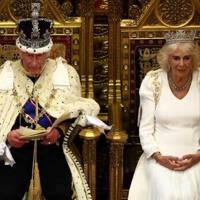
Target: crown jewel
{"x":179,"y":36}
{"x":34,"y":32}
{"x":35,"y":14}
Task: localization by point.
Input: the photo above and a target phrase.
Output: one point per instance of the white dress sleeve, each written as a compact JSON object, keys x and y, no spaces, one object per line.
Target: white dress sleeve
{"x":146,"y":128}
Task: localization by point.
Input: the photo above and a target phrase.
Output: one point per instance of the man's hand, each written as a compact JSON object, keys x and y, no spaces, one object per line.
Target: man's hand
{"x":14,"y":139}
{"x":52,"y":136}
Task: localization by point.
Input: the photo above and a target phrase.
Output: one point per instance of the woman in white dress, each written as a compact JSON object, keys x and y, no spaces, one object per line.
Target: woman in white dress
{"x":169,"y":168}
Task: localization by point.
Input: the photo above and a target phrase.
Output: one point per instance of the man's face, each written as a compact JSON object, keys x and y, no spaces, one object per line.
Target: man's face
{"x":34,"y":63}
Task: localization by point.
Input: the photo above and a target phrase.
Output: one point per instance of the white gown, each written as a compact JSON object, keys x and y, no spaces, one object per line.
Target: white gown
{"x":176,"y":132}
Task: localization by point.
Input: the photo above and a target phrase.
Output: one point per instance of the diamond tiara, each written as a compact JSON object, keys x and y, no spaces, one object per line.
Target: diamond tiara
{"x":179,"y":36}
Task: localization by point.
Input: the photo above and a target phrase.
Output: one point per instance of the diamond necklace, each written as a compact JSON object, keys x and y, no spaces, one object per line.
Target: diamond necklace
{"x":174,"y":86}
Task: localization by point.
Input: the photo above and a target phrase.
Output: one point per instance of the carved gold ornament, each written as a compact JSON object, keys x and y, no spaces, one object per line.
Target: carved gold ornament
{"x":175,"y":13}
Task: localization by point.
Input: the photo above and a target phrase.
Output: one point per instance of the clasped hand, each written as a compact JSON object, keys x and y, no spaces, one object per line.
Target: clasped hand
{"x":178,"y":164}
{"x":14,"y":138}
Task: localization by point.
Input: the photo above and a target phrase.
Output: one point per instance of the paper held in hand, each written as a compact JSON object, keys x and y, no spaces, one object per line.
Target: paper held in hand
{"x":62,"y":118}
{"x":32,"y":134}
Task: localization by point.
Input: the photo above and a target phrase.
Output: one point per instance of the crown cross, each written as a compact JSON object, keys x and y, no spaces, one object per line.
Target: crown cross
{"x":179,"y":36}
{"x":35,"y":14}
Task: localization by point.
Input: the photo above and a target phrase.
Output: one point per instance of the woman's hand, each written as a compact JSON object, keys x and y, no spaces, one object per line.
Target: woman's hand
{"x":169,"y":162}
{"x":52,"y":137}
{"x":188,"y":161}
{"x":14,"y":139}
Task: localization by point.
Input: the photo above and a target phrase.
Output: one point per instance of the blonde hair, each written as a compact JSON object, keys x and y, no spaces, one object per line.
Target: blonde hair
{"x":168,"y":49}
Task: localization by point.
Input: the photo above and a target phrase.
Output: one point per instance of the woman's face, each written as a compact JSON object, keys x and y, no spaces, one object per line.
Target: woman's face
{"x":33,"y":63}
{"x":180,"y":63}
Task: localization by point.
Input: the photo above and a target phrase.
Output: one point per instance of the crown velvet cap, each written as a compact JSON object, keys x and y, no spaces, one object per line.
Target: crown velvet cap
{"x":180,"y":36}
{"x":34,"y":33}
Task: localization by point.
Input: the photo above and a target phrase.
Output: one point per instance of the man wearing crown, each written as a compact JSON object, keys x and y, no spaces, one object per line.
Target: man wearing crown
{"x":34,"y":92}
{"x":169,"y":125}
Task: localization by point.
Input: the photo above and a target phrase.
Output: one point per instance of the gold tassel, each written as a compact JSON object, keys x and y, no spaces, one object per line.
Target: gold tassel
{"x":30,"y":190}
{"x":35,"y":191}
